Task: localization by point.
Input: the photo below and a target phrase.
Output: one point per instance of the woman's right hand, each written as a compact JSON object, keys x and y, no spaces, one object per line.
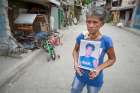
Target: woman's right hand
{"x":78,"y":70}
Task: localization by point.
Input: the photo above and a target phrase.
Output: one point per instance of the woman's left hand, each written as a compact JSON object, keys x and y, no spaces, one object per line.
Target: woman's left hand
{"x":94,"y":74}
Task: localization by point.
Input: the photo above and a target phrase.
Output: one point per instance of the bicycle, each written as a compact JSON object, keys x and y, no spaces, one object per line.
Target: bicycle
{"x":73,"y":19}
{"x":48,"y":41}
{"x":55,"y":38}
{"x":49,"y":48}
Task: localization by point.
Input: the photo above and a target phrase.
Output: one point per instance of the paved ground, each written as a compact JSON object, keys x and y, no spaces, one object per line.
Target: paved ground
{"x":11,"y":66}
{"x":56,"y":77}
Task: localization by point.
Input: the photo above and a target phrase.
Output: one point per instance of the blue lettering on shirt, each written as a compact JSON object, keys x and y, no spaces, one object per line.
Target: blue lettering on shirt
{"x":87,"y":62}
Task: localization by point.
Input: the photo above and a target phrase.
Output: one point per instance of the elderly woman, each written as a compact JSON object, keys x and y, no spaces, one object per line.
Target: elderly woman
{"x":93,"y":79}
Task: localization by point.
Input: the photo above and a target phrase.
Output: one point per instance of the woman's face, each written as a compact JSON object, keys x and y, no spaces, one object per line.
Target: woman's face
{"x":88,"y":51}
{"x":93,"y":24}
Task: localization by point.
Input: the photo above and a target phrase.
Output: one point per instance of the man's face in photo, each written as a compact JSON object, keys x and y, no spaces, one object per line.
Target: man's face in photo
{"x":88,"y":51}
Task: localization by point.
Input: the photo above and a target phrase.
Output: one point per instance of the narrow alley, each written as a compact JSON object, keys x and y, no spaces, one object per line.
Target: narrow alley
{"x":56,"y":76}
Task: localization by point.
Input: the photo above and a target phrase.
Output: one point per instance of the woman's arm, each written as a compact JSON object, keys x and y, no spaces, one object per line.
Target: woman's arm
{"x":75,"y":54}
{"x":109,"y":62}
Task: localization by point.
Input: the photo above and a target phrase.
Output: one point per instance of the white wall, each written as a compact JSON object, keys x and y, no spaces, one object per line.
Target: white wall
{"x":127,"y":2}
{"x":54,"y":14}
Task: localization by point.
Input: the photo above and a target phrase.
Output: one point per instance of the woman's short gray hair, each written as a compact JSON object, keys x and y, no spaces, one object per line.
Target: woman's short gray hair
{"x":97,"y":11}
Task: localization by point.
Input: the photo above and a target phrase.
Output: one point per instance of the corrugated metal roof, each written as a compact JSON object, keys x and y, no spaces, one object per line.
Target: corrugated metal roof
{"x":42,"y":2}
{"x":25,"y":19}
{"x":55,"y":2}
{"x":123,"y":7}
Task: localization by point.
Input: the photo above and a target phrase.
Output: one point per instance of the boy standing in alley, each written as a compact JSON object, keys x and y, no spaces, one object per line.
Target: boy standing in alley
{"x":93,"y":79}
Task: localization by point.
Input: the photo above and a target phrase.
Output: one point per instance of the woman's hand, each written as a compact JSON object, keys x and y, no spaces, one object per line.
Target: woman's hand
{"x":77,"y":69}
{"x":94,"y":74}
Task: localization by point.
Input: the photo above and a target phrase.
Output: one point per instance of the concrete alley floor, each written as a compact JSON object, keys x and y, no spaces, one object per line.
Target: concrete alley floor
{"x":56,"y":76}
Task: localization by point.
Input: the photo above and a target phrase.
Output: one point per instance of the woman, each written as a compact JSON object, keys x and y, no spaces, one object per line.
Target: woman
{"x":93,"y":79}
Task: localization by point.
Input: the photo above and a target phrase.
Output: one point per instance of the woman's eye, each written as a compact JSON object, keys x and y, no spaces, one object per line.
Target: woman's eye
{"x":88,"y":21}
{"x":94,"y":22}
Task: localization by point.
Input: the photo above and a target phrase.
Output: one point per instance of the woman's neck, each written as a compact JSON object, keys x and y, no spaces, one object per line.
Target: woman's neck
{"x":95,"y":36}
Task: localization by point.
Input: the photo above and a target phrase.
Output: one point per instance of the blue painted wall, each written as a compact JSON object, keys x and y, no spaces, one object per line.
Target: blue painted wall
{"x":137,"y":19}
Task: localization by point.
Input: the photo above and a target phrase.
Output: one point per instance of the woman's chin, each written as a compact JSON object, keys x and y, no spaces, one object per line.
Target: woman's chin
{"x":92,"y":32}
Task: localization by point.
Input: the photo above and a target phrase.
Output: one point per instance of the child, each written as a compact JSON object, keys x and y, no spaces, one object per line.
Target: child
{"x":93,"y":79}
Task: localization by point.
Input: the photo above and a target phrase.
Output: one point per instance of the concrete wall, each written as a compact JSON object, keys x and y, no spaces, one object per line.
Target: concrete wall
{"x":6,"y":39}
{"x":136,"y":16}
{"x":54,"y":18}
{"x":127,"y":2}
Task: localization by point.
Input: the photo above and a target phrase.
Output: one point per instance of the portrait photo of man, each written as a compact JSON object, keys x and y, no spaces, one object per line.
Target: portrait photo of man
{"x":87,"y":59}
